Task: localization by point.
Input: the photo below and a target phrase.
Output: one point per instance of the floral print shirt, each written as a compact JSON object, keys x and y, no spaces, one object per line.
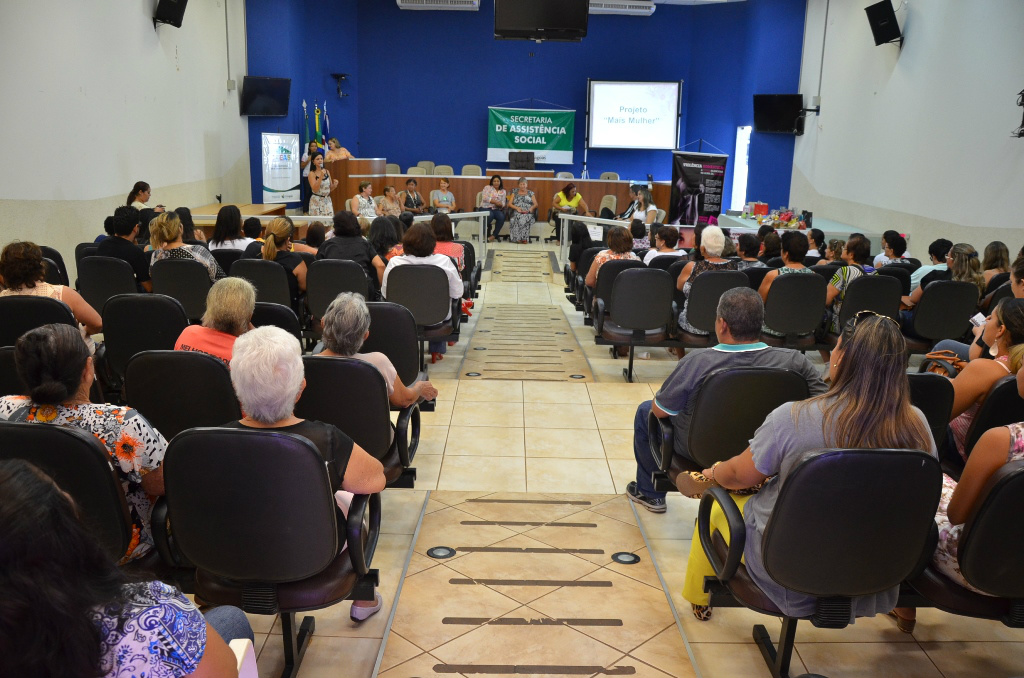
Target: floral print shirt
{"x":135,"y":448}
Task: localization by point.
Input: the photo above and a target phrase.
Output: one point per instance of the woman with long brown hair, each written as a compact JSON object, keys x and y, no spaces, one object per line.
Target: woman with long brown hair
{"x":867,"y":407}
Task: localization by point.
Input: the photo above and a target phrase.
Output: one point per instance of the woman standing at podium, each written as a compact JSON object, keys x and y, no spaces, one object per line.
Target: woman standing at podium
{"x":321,"y":184}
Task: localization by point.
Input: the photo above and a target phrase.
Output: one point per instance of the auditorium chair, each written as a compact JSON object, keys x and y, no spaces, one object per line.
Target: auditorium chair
{"x":186,"y":280}
{"x":55,"y":256}
{"x":471,"y":272}
{"x":19,"y":314}
{"x":416,"y":171}
{"x":609,"y":176}
{"x":392,"y":168}
{"x":815,"y":541}
{"x":133,"y":323}
{"x":352,"y":395}
{"x":564,"y":175}
{"x":277,"y":315}
{"x":443,"y":171}
{"x":664,"y":262}
{"x":933,"y":395}
{"x":100,"y":278}
{"x":427,"y":165}
{"x":226,"y":257}
{"x":826,"y":271}
{"x":795,"y":307}
{"x":582,"y":268}
{"x":327,"y":278}
{"x":880,"y":294}
{"x":602,"y":290}
{"x":472,"y":171}
{"x":719,"y":429}
{"x":702,"y":307}
{"x":943,"y":312}
{"x":177,"y":390}
{"x":675,"y":270}
{"x":755,"y":276}
{"x":52,"y":273}
{"x":255,"y":512}
{"x":609,"y":201}
{"x":641,"y":312}
{"x":393,"y":333}
{"x":989,"y":556}
{"x":660,"y":218}
{"x":424,"y":291}
{"x":992,"y":299}
{"x":268,"y":277}
{"x":1003,"y":405}
{"x":774,"y":262}
{"x":10,"y":382}
{"x":83,"y":250}
{"x":898,"y":271}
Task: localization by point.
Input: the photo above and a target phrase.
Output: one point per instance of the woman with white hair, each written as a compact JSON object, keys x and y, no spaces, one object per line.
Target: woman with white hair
{"x":711,"y":242}
{"x":346,"y":327}
{"x":267,"y":373}
{"x":229,"y":307}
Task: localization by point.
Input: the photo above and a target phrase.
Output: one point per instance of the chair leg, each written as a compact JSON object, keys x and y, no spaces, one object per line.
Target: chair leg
{"x":295,"y":642}
{"x":778,"y":659}
{"x":628,"y":371}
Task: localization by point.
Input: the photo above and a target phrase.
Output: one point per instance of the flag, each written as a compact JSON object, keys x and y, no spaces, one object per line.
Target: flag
{"x":319,"y":139}
{"x":327,"y":125}
{"x":305,"y":142}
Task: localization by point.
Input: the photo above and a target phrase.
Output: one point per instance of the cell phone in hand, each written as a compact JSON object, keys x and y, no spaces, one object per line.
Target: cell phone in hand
{"x":978,"y":320}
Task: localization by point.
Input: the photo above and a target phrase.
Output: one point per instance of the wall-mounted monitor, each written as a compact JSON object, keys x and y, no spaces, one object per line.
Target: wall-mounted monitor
{"x":265,"y":96}
{"x":642,"y":115}
{"x":779,"y":113}
{"x":564,"y":20}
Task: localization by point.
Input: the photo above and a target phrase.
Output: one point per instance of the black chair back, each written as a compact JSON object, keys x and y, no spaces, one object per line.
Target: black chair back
{"x":992,"y":300}
{"x":775,"y":262}
{"x":826,"y":271}
{"x":811,"y":261}
{"x":361,"y":410}
{"x":810,"y":537}
{"x":674,"y":271}
{"x":100,"y":278}
{"x":726,"y":430}
{"x":53,"y":273}
{"x":642,"y":299}
{"x":133,"y":323}
{"x":933,"y":395}
{"x":914,"y":263}
{"x":585,"y":260}
{"x":268,"y":277}
{"x":81,"y":466}
{"x":55,"y":256}
{"x":83,"y":250}
{"x":877,"y":293}
{"x":278,"y":316}
{"x":663,"y":262}
{"x":393,"y":333}
{"x":19,"y":314}
{"x":226,"y":257}
{"x":755,"y":276}
{"x":273,"y":522}
{"x":423,"y":290}
{"x":705,"y":291}
{"x":606,"y":280}
{"x":900,"y":273}
{"x":10,"y":382}
{"x":469,"y":254}
{"x":796,"y":303}
{"x":945,"y":309}
{"x":996,"y":281}
{"x":186,"y":280}
{"x":327,"y":278}
{"x":989,"y":551}
{"x":1002,"y":406}
{"x":177,"y":390}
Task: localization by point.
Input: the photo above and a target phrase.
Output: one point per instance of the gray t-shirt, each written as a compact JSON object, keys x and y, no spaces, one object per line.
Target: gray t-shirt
{"x":778,"y":447}
{"x":676,"y":396}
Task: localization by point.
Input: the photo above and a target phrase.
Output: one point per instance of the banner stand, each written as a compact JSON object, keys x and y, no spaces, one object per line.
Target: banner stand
{"x":698,"y":181}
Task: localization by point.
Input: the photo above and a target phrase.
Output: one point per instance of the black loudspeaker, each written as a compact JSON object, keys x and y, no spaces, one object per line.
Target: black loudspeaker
{"x":883,"y":22}
{"x":169,"y":12}
{"x":522,"y":160}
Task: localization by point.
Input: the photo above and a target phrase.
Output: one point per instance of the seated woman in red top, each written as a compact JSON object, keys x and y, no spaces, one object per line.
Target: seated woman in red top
{"x":441,"y":225}
{"x":229,"y":307}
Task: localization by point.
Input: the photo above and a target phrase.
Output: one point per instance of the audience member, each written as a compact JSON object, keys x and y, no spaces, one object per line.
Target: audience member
{"x":641,"y":239}
{"x":579,"y":242}
{"x":444,"y":201}
{"x":996,"y":260}
{"x":883,"y":258}
{"x":165,"y":239}
{"x":252,"y":228}
{"x":493,"y":199}
{"x":748,"y":248}
{"x":70,"y":611}
{"x":665,"y":240}
{"x":382,"y":236}
{"x":268,"y":376}
{"x":229,"y":307}
{"x":763,"y":230}
{"x":122,"y":246}
{"x":855,"y":255}
{"x":738,"y":329}
{"x":315,"y":234}
{"x":55,"y":365}
{"x":346,"y":327}
{"x":418,"y":245}
{"x":868,"y":406}
{"x":794,"y":249}
{"x":24,"y":274}
{"x":441,"y":225}
{"x":815,"y":242}
{"x":712,"y":242}
{"x":962,"y":266}
{"x":348,"y":243}
{"x":937,"y":252}
{"x":140,"y":195}
{"x":834,"y":252}
{"x":978,"y":348}
{"x":771,"y":247}
{"x":190,"y":235}
{"x":277,"y":246}
{"x":411,"y":199}
{"x":108,"y":229}
{"x":620,"y":246}
{"x":227,"y":232}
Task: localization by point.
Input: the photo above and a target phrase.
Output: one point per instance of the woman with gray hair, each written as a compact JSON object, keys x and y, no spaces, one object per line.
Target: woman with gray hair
{"x":712,"y":242}
{"x":229,"y":307}
{"x":346,"y":327}
{"x":268,"y":376}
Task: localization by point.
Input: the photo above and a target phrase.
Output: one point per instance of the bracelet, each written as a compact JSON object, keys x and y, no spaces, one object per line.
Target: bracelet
{"x":713,"y":467}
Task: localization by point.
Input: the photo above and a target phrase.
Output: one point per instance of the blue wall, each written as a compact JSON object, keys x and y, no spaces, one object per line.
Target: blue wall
{"x":421,"y":81}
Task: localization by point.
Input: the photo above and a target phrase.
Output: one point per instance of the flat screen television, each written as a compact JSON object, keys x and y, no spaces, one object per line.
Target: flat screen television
{"x":780,"y":113}
{"x":265,"y":96}
{"x":564,"y":20}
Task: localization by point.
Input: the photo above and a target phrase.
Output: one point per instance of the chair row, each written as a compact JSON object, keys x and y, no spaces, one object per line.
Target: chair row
{"x":254,"y":520}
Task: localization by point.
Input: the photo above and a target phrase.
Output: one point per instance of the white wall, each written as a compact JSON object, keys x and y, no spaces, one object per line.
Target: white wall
{"x":917,"y":140}
{"x":94,"y":99}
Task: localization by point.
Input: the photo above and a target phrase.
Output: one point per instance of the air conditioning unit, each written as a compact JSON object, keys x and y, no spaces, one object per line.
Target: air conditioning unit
{"x":629,"y":7}
{"x":468,"y":5}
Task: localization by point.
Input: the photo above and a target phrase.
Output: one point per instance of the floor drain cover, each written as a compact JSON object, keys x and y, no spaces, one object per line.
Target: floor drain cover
{"x":480,"y":348}
{"x":442,"y":552}
{"x":621,"y":557}
{"x":577,"y":376}
{"x":567,"y":350}
{"x":472,"y":374}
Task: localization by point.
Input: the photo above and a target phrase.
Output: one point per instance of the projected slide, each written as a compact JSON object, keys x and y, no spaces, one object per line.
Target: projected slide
{"x":634,"y":114}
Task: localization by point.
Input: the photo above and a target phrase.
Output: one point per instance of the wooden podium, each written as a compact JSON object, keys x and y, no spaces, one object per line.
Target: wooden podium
{"x":352,"y":171}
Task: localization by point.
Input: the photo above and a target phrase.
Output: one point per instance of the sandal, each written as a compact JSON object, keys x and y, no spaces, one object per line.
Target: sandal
{"x":702,"y":612}
{"x":902,"y":623}
{"x":436,"y":357}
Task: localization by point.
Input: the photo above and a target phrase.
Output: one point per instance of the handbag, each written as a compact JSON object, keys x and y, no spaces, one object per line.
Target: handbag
{"x":945,"y":362}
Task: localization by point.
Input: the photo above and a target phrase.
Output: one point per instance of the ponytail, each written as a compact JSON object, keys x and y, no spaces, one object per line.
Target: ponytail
{"x":270,"y":247}
{"x":278,"y":231}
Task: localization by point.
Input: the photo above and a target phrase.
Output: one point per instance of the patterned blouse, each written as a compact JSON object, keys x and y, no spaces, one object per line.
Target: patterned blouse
{"x":135,"y":448}
{"x":453,"y":250}
{"x":608,"y":255}
{"x":154,"y":631}
{"x":489,"y":193}
{"x":194,"y":252}
{"x":841,"y":281}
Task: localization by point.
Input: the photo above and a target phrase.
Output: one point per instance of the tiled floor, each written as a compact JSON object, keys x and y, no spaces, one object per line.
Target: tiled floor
{"x":511,"y":436}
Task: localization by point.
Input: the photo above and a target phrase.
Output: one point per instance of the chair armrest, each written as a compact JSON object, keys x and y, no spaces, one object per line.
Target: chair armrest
{"x":407,"y":447}
{"x":456,"y":314}
{"x":598,"y":315}
{"x":661,"y":437}
{"x":737,"y":532}
{"x":169,"y":553}
{"x":362,"y":529}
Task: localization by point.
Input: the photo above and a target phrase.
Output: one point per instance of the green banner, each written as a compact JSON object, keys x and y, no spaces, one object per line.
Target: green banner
{"x":547,"y":133}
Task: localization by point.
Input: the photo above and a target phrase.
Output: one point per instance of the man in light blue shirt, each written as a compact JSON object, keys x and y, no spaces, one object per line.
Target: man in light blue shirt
{"x":937,"y":251}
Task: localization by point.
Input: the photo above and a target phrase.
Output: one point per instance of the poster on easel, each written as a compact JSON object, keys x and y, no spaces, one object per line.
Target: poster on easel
{"x":698,"y":180}
{"x":281,"y":168}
